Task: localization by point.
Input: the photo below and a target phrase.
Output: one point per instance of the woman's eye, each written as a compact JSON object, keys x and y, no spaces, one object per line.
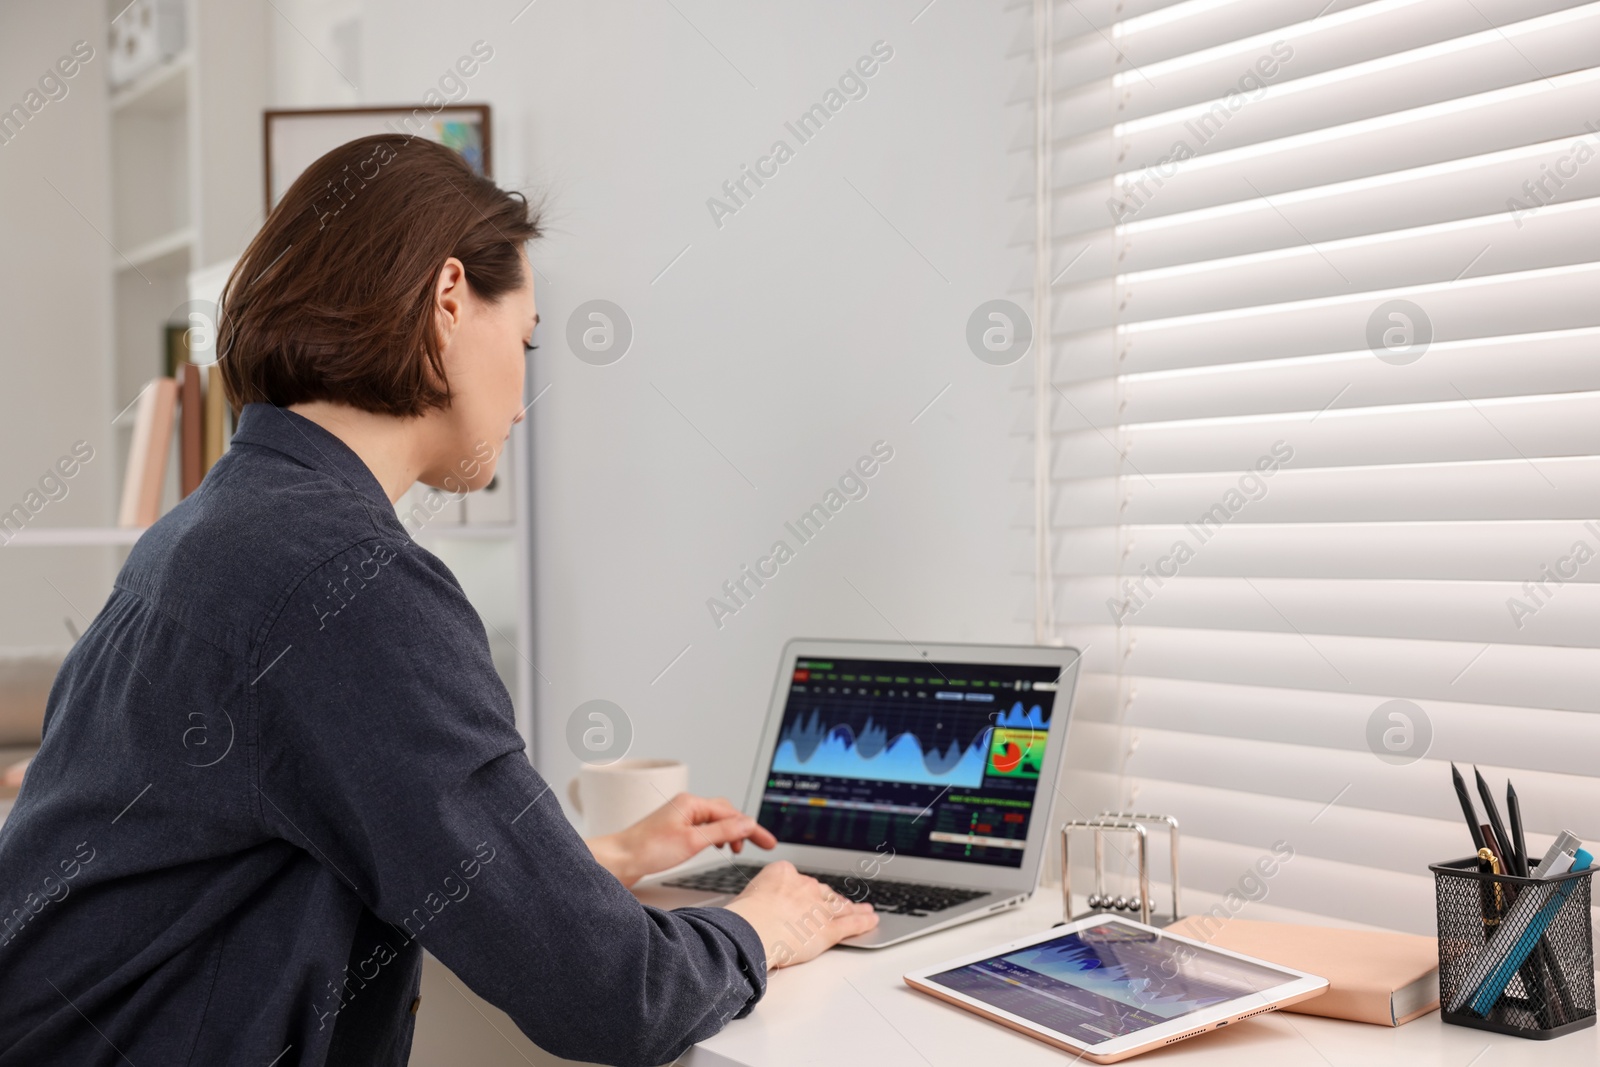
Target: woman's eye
{"x":527,"y":348}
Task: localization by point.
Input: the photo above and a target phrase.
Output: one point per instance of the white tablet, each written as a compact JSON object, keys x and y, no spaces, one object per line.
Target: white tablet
{"x":1109,"y":988}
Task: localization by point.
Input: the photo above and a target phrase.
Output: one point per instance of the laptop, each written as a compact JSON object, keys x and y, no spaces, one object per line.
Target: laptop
{"x":918,"y":779}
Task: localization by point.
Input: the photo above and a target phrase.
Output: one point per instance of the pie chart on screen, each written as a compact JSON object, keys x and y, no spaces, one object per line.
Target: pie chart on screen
{"x":1015,"y":753}
{"x":1008,"y":758}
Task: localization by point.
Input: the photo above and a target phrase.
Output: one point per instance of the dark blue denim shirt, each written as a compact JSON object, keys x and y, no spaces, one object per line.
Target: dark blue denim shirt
{"x":277,"y":766}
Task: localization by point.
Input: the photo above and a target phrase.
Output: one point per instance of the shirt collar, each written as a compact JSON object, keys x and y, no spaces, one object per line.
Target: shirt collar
{"x":297,"y":437}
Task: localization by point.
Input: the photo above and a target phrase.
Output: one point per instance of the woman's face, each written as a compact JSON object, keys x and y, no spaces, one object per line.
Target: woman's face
{"x":485,"y":361}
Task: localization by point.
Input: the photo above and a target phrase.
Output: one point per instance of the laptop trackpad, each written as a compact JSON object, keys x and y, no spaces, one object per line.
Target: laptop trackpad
{"x":666,"y":898}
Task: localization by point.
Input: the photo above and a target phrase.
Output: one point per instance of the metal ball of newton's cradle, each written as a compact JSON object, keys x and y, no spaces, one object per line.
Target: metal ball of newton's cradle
{"x":1133,"y":903}
{"x":1121,"y":903}
{"x":1094,"y":900}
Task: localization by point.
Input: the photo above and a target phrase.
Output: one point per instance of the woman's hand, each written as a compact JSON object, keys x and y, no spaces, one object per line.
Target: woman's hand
{"x":796,"y":916}
{"x":672,"y":833}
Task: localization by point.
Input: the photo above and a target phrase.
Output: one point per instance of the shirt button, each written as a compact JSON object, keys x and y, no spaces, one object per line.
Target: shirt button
{"x":415,"y":1004}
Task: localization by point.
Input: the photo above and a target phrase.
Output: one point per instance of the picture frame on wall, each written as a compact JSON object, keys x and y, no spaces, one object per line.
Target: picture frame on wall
{"x":293,"y":139}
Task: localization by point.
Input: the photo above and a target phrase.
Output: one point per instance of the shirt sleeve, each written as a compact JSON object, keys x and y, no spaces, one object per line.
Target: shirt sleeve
{"x":387,"y":750}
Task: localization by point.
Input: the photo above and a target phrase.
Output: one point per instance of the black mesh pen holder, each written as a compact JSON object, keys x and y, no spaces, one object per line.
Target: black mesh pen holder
{"x":1516,"y":955}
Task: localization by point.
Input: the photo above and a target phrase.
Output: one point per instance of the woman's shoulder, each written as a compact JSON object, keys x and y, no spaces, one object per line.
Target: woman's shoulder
{"x":230,"y":554}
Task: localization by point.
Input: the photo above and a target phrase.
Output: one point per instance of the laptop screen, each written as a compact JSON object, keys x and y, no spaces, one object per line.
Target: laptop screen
{"x":937,"y":760}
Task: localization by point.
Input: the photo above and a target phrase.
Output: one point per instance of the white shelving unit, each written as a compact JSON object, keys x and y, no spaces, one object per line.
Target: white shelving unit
{"x":186,"y":193}
{"x":185,"y":188}
{"x":65,"y":536}
{"x":186,"y":179}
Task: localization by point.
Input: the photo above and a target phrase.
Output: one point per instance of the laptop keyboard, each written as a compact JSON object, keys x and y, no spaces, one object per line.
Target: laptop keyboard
{"x":895,"y":898}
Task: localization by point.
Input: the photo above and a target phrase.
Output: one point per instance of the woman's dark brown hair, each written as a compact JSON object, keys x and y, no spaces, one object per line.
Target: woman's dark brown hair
{"x":333,"y":300}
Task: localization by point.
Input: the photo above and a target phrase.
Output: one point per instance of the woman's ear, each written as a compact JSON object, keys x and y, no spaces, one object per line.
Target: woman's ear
{"x":449,"y":299}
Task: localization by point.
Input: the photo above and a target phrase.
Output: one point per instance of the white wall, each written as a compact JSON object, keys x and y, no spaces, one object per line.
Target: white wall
{"x":793,"y":338}
{"x":55,"y":297}
{"x":789,"y":340}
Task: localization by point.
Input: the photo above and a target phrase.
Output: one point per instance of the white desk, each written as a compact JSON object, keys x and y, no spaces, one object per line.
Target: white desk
{"x":851,"y":1007}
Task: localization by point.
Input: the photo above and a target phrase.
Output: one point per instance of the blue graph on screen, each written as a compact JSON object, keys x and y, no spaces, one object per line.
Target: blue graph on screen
{"x":1033,"y":718}
{"x":808,"y":746}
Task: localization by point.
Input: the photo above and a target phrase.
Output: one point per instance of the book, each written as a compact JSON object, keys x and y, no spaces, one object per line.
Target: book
{"x":147,"y":454}
{"x":11,"y":777}
{"x":175,"y":351}
{"x":1374,"y":976}
{"x":214,"y":429}
{"x":190,"y":414}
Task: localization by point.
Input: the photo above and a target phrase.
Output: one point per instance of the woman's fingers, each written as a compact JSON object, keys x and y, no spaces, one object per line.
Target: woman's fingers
{"x":715,"y":821}
{"x":724,"y":831}
{"x":698,"y":810}
{"x":734,"y":829}
{"x":758,"y":834}
{"x":857,"y":920}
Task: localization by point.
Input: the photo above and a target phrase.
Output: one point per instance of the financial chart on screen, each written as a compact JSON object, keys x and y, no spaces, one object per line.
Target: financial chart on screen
{"x":937,"y":760}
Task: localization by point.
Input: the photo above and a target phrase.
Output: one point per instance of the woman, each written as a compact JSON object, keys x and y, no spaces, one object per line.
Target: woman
{"x":279,"y":764}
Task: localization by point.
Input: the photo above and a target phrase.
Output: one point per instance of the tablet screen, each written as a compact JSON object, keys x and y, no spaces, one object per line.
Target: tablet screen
{"x":1109,"y":981}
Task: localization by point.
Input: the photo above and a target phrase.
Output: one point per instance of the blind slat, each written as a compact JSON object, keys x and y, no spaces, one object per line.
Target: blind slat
{"x":1500,"y":489}
{"x":1420,"y":670}
{"x":1495,"y":120}
{"x":1473,"y":187}
{"x":1317,"y":45}
{"x":1267,"y":774}
{"x":1461,"y":731}
{"x":1501,"y":244}
{"x":1475,"y":65}
{"x":1469,"y":612}
{"x":1521,"y":364}
{"x":1470,"y":551}
{"x":1458,"y":429}
{"x":1553,"y":298}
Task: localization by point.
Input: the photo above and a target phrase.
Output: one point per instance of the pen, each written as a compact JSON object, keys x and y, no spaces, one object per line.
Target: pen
{"x":1486,"y":897}
{"x":1490,"y":856}
{"x":1491,"y":841}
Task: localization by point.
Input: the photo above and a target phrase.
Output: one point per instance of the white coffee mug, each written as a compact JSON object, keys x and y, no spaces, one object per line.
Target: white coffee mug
{"x":612,"y":796}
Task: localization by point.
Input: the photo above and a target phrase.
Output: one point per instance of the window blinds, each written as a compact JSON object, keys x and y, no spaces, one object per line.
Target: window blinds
{"x":1312,"y":460}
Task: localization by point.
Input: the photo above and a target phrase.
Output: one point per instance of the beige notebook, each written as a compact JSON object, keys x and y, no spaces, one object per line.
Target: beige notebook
{"x":216,"y":415}
{"x":147,"y":454}
{"x":1373,"y":976}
